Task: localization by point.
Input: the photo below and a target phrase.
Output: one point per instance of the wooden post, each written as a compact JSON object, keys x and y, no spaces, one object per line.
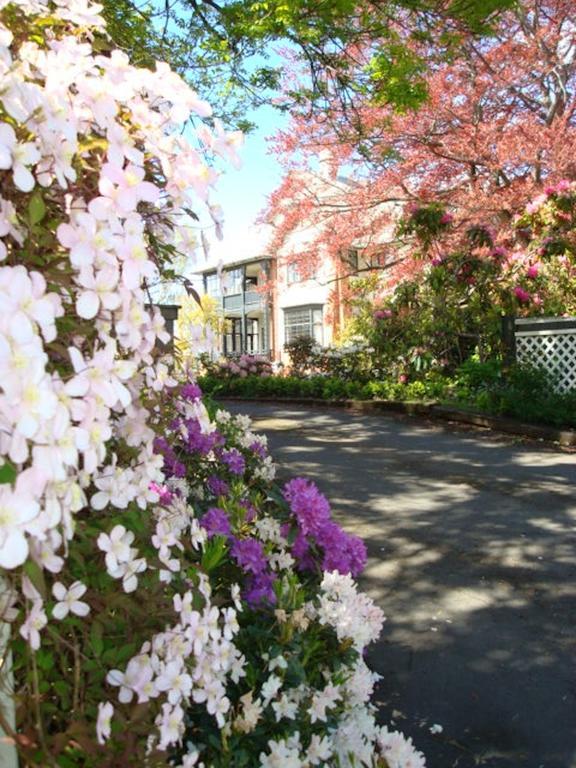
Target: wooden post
{"x":508,"y":340}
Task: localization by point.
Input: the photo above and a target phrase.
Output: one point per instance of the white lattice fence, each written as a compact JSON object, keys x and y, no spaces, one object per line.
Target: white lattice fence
{"x":549,"y":343}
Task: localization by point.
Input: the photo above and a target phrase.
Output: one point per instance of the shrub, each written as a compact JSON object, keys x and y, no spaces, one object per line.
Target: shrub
{"x":242,"y":366}
{"x":300,"y":353}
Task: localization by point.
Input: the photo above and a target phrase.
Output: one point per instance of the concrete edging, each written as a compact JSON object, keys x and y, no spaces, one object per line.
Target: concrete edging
{"x":564,"y":437}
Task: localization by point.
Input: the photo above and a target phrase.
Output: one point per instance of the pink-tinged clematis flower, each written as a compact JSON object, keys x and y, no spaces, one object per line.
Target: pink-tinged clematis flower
{"x":18,"y":508}
{"x":24,"y":302}
{"x":29,"y":404}
{"x":136,"y":264}
{"x":184,"y":99}
{"x":171,"y":725}
{"x":104,"y":721}
{"x":44,"y":553}
{"x":69,"y":600}
{"x":18,"y":156}
{"x":101,"y":291}
{"x":116,"y":546}
{"x":128,"y":571}
{"x":222,"y":142}
{"x":138,"y":674}
{"x":101,"y":377}
{"x":80,"y":12}
{"x":121,"y":190}
{"x":35,"y":622}
{"x":88,"y":239}
{"x":175,"y":680}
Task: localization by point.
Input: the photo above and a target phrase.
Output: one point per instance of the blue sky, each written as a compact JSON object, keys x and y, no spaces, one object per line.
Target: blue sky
{"x":242,"y":193}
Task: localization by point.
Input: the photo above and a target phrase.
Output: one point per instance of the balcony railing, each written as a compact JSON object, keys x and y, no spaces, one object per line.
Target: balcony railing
{"x":249,"y":299}
{"x":232,"y":302}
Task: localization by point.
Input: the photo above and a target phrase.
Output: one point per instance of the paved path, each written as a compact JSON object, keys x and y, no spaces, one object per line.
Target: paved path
{"x":472,"y":545}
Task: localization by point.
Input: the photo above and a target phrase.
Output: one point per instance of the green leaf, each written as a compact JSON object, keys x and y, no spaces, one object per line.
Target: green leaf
{"x":96,"y":640}
{"x":214,"y":553}
{"x":7,"y":473}
{"x":63,"y":690}
{"x":36,"y":208}
{"x":45,"y":660}
{"x":36,"y":576}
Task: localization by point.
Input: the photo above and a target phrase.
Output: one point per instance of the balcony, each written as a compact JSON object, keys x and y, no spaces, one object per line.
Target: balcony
{"x":250,"y":300}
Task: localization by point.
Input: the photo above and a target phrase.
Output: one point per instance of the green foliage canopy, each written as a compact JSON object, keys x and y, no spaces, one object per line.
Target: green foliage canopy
{"x":226,"y":49}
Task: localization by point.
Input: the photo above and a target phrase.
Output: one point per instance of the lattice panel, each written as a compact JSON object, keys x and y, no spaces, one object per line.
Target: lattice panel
{"x":556,"y":353}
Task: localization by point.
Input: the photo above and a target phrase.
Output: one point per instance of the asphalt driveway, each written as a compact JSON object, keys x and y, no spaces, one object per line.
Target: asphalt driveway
{"x":472,"y":557}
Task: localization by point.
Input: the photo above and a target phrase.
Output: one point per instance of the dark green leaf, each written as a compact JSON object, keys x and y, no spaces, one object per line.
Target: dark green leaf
{"x":7,"y":473}
{"x":36,"y":208}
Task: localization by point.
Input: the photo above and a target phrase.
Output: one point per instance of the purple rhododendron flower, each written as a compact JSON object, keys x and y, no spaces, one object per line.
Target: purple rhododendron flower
{"x":216,"y":522}
{"x":301,"y":553}
{"x":260,"y":590}
{"x":251,"y":511}
{"x":307,"y":503}
{"x":249,"y":554}
{"x":199,"y":442}
{"x":342,"y":551}
{"x":259,"y":449}
{"x":172,"y":467}
{"x":191,"y":392}
{"x":217,"y":486}
{"x":234,"y":461}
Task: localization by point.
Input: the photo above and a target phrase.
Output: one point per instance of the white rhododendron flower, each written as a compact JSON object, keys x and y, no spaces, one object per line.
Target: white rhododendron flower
{"x":398,"y":750}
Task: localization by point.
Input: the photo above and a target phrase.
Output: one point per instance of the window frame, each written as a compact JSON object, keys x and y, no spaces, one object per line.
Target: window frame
{"x":313,"y":325}
{"x":293,"y":273}
{"x":212,"y":285}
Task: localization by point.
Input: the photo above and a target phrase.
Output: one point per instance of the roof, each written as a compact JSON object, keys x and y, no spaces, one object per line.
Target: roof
{"x":239,"y":247}
{"x":231,"y":264}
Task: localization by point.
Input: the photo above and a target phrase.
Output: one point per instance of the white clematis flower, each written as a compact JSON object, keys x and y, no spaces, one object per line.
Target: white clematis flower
{"x":18,"y":156}
{"x":116,"y":546}
{"x":104,"y":721}
{"x":69,"y":600}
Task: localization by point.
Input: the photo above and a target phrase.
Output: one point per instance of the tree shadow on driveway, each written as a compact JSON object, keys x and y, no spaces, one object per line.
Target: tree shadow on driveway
{"x":472,"y":557}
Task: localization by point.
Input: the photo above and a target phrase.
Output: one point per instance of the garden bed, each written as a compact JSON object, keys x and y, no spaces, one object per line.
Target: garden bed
{"x":446,"y":410}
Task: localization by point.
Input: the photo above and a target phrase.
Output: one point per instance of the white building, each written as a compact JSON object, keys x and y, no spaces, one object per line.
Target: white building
{"x":270,"y":299}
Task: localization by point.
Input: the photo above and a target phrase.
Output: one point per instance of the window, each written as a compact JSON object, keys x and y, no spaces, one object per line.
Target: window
{"x":252,"y":335}
{"x":233,"y":336}
{"x":303,"y":321}
{"x":233,"y":281}
{"x":293,"y":273}
{"x":350,"y":258}
{"x":213,"y":285}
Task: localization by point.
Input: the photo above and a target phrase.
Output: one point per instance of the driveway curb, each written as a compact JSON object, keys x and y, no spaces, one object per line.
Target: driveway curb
{"x":564,"y":437}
